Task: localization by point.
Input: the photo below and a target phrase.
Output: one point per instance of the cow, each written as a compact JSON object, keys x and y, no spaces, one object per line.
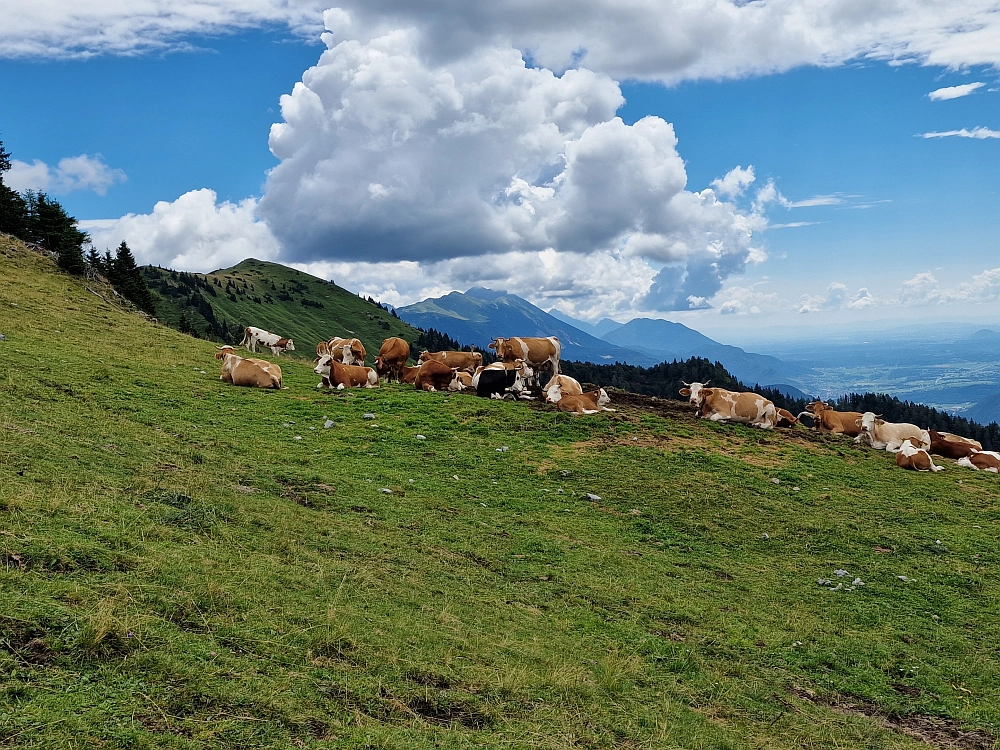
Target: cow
{"x":340,"y":376}
{"x":567,"y":386}
{"x":252,"y":373}
{"x":536,"y":352}
{"x":889,"y":436}
{"x":911,"y":455}
{"x":786,"y":418}
{"x":462,"y":381}
{"x":952,"y":446}
{"x":981,"y":461}
{"x":495,"y":380}
{"x":590,"y":402}
{"x":409,"y":374}
{"x":348,"y":351}
{"x":434,"y":376}
{"x":391,"y":358}
{"x":322,"y":349}
{"x":467,"y":361}
{"x":826,"y":419}
{"x":720,"y":405}
{"x":254,"y":337}
{"x":598,"y":398}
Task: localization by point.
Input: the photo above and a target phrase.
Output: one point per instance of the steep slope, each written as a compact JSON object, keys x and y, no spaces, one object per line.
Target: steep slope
{"x":187,"y":564}
{"x":664,"y":339}
{"x":479,"y":315}
{"x":283,"y":300}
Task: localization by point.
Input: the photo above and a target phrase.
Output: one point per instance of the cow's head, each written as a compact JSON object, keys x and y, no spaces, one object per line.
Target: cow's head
{"x":456,"y":383}
{"x":816,"y":407}
{"x":868,"y":421}
{"x":696,"y":392}
{"x":223,"y":351}
{"x":603,"y":399}
{"x":290,"y":346}
{"x":524,"y":372}
{"x":553,"y":394}
{"x":496,"y":344}
{"x":424,"y":357}
{"x":380,"y":365}
{"x":323,"y":365}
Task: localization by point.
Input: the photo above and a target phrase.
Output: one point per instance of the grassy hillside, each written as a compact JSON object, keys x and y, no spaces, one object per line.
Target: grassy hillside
{"x":193,"y":565}
{"x":279,"y":299}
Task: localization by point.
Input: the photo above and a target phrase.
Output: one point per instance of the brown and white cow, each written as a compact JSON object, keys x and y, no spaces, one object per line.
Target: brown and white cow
{"x":467,"y":361}
{"x":889,"y":436}
{"x":340,"y":376}
{"x":434,"y":376}
{"x":912,"y":456}
{"x":391,"y":358}
{"x":589,"y":402}
{"x":720,"y":405}
{"x":248,"y":372}
{"x":827,"y":419}
{"x":500,"y":378}
{"x":567,"y":387}
{"x":461,"y":382}
{"x":254,"y":337}
{"x":981,"y":461}
{"x":952,"y":446}
{"x":785,"y":418}
{"x":348,"y":351}
{"x":537,"y":352}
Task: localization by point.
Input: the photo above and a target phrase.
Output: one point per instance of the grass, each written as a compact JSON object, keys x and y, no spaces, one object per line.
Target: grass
{"x":187,"y":564}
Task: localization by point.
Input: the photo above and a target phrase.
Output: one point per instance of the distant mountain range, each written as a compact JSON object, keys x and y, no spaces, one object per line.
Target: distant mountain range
{"x":479,"y":315}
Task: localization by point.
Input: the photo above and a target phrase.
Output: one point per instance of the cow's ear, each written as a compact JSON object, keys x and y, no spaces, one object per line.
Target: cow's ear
{"x":879,"y":421}
{"x":685,"y":391}
{"x":706,"y":392}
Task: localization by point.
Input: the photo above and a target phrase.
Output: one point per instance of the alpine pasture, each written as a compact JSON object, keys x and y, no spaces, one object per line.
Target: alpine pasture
{"x":188,"y":564}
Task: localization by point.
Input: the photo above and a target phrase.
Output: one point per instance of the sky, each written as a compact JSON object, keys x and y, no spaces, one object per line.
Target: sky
{"x":735,"y":166}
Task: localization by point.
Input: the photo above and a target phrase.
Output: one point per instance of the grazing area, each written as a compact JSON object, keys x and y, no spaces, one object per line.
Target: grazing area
{"x":188,"y":564}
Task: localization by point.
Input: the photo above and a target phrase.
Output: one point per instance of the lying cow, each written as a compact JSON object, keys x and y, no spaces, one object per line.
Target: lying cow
{"x":391,"y":358}
{"x":889,"y":436}
{"x":952,"y":446}
{"x":251,"y":373}
{"x":348,"y":351}
{"x":567,"y":387}
{"x":786,"y":418}
{"x":981,"y":461}
{"x":496,"y":380}
{"x":590,"y":402}
{"x":322,"y":349}
{"x":538,"y":353}
{"x":913,"y":457}
{"x":409,"y":375}
{"x":720,"y":405}
{"x":461,"y":382}
{"x":254,"y":337}
{"x":340,"y":376}
{"x":827,"y":419}
{"x":467,"y":361}
{"x":434,"y":376}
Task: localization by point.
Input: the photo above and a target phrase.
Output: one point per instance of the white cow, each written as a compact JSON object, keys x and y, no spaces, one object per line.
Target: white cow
{"x":258,"y":336}
{"x":889,"y":436}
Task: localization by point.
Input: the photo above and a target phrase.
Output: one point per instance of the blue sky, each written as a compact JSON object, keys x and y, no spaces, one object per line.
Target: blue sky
{"x":413,"y":160}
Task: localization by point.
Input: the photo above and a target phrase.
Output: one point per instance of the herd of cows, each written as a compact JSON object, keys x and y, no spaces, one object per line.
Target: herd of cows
{"x":521,"y":361}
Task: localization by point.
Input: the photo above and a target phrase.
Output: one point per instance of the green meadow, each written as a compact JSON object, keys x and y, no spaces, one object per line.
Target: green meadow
{"x":187,"y":564}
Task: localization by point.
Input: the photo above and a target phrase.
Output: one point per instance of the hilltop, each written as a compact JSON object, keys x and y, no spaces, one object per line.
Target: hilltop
{"x":292,"y":303}
{"x":193,"y":565}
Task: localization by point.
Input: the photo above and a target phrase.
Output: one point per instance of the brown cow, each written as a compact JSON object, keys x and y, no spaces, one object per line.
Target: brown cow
{"x":348,"y":351}
{"x":339,"y":376}
{"x":567,"y":387}
{"x":981,"y":461}
{"x":467,"y":361}
{"x":409,"y":374}
{"x":826,"y":419}
{"x":322,"y":349}
{"x":952,"y":446}
{"x":252,"y":373}
{"x":391,"y":358}
{"x":912,"y":456}
{"x":786,"y":418}
{"x":462,"y":381}
{"x":590,"y":402}
{"x":434,"y":376}
{"x":536,"y":352}
{"x":720,"y":405}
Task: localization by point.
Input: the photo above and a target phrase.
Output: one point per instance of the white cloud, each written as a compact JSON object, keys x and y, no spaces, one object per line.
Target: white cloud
{"x":644,"y":39}
{"x":837,"y":297}
{"x":954,"y":92}
{"x":386,"y":157}
{"x":194,"y":233}
{"x":978,"y":132}
{"x":735,"y":182}
{"x":72,"y":173}
{"x":925,"y":289}
{"x":817,"y":200}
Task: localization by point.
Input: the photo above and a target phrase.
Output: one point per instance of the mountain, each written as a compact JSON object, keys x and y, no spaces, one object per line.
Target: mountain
{"x":666,"y":340}
{"x":480,"y":315}
{"x":305,"y":308}
{"x":598,"y":329}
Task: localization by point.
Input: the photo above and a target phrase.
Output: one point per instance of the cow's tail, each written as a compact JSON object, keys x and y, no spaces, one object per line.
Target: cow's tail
{"x":246,"y":338}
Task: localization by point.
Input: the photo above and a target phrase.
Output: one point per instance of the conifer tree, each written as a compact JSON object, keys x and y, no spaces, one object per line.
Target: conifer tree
{"x":129,"y":281}
{"x":49,"y":225}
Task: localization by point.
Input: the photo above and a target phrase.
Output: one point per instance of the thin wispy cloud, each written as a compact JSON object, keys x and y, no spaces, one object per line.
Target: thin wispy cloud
{"x":794,"y":224}
{"x":819,"y":200}
{"x":979,"y":133}
{"x":954,"y":92}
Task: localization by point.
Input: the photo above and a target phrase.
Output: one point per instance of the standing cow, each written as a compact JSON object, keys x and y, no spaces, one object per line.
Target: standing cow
{"x":254,"y":337}
{"x":536,"y":352}
{"x":392,"y":358}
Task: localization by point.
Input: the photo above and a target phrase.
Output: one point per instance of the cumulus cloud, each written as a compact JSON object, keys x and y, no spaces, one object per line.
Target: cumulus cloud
{"x":925,"y":289}
{"x":977,"y":132}
{"x":81,"y":172}
{"x":750,"y":300}
{"x":735,"y":182}
{"x":837,"y":297}
{"x":644,"y":39}
{"x":386,"y":157}
{"x":194,"y":232}
{"x":954,"y":92}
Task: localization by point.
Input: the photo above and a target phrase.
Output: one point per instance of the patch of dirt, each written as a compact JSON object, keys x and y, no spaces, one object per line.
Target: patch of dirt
{"x":25,"y":641}
{"x":935,"y":731}
{"x":446,"y":713}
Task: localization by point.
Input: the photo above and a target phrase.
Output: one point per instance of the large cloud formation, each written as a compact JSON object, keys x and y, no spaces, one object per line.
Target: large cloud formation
{"x":388,"y":157}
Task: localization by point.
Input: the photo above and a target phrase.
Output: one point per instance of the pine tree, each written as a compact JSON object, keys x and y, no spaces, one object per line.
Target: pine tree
{"x":95,"y":261}
{"x":49,"y":225}
{"x":129,"y":281}
{"x":13,"y":209}
{"x":184,"y":326}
